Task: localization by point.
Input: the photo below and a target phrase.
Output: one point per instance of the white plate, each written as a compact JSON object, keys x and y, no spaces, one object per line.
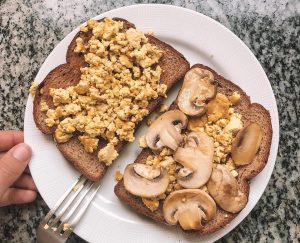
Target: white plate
{"x":201,"y":40}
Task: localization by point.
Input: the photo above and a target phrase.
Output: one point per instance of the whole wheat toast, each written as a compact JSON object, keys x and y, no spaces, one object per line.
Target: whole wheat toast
{"x":173,"y":65}
{"x":251,"y":112}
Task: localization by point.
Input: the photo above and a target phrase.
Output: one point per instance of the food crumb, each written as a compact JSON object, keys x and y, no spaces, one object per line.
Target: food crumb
{"x":66,"y":227}
{"x":149,"y":121}
{"x":107,"y":154}
{"x":163,"y":108}
{"x":143,"y":142}
{"x":118,"y":175}
{"x":234,"y":173}
{"x":33,"y":88}
{"x":234,"y":98}
{"x":150,"y":33}
{"x":151,"y":203}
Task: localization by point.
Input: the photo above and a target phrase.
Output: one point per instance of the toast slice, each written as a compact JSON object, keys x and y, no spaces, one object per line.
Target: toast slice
{"x":251,"y":112}
{"x":173,"y":64}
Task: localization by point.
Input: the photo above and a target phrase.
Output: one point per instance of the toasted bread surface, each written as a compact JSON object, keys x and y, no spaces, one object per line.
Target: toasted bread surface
{"x":174,"y":67}
{"x":250,"y":113}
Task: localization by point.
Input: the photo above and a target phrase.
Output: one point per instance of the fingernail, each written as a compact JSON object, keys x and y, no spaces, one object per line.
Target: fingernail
{"x":22,"y":152}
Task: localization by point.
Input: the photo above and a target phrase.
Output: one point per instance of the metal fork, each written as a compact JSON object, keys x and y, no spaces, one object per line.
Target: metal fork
{"x":59,"y":223}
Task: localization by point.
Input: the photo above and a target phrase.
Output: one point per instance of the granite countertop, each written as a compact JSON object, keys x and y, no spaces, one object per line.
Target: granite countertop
{"x":29,"y":30}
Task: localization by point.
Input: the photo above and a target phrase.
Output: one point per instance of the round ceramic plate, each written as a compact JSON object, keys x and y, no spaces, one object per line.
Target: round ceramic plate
{"x":201,"y":40}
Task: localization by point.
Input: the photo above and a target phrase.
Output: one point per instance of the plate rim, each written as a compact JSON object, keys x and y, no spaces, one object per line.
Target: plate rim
{"x":257,"y":63}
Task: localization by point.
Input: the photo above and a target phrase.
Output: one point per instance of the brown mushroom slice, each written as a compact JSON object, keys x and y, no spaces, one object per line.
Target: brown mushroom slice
{"x":144,"y":181}
{"x":198,"y":87}
{"x":189,"y":207}
{"x":223,"y":187}
{"x":165,"y":130}
{"x":246,"y":144}
{"x":197,"y":159}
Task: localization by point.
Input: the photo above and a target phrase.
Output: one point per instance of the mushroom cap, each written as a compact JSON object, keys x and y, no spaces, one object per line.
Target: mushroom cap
{"x":246,"y":144}
{"x":197,"y":158}
{"x":189,"y":207}
{"x":165,"y":130}
{"x":143,"y":187}
{"x":223,"y":187}
{"x":197,"y":88}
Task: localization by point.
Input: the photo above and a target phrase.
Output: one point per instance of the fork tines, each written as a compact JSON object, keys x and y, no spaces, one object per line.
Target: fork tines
{"x":64,"y":216}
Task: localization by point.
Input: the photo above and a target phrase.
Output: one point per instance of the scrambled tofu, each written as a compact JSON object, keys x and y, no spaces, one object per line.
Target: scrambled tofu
{"x":196,"y":123}
{"x":218,"y":108}
{"x":121,"y":77}
{"x":143,"y":142}
{"x":234,"y":98}
{"x":44,"y":106}
{"x":108,"y":154}
{"x":152,"y":203}
{"x":235,"y":123}
{"x":163,"y":108}
{"x":33,"y":88}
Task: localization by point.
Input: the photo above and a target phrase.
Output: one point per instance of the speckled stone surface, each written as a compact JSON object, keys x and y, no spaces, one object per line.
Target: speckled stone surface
{"x":29,"y":30}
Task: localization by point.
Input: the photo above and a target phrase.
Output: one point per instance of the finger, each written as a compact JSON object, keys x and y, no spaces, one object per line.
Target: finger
{"x":1,"y":154}
{"x":17,"y":196}
{"x":25,"y":181}
{"x":13,"y":163}
{"x":8,"y":139}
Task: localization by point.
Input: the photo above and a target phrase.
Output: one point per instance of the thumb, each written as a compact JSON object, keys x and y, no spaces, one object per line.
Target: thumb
{"x":13,"y":163}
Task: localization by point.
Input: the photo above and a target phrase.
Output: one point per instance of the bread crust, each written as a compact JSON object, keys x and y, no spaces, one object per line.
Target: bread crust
{"x":251,"y":112}
{"x":173,"y":64}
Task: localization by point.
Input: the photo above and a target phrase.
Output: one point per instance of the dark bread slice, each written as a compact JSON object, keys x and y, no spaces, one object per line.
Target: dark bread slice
{"x":250,"y":113}
{"x":174,"y":67}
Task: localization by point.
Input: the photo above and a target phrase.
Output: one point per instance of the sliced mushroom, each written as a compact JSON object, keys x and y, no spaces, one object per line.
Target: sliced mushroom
{"x":165,"y":130}
{"x":189,"y":207}
{"x":197,"y":159}
{"x":198,"y":87}
{"x":246,"y":144}
{"x":223,"y":187}
{"x":144,"y":181}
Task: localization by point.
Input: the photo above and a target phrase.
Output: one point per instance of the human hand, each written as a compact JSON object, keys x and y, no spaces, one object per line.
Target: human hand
{"x":16,"y":184}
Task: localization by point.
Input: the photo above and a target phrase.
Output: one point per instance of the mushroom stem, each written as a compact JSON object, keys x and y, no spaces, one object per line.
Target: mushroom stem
{"x":197,"y":157}
{"x":171,"y":138}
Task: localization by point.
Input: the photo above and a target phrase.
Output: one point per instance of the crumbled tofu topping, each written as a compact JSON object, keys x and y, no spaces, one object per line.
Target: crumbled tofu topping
{"x":44,"y":106}
{"x":152,"y":203}
{"x":235,"y":123}
{"x":163,"y":108}
{"x":234,"y":98}
{"x":90,"y":144}
{"x":108,"y":154}
{"x":143,"y":142}
{"x":118,"y":175}
{"x":33,"y":88}
{"x":218,"y":108}
{"x":195,"y":124}
{"x":114,"y":90}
